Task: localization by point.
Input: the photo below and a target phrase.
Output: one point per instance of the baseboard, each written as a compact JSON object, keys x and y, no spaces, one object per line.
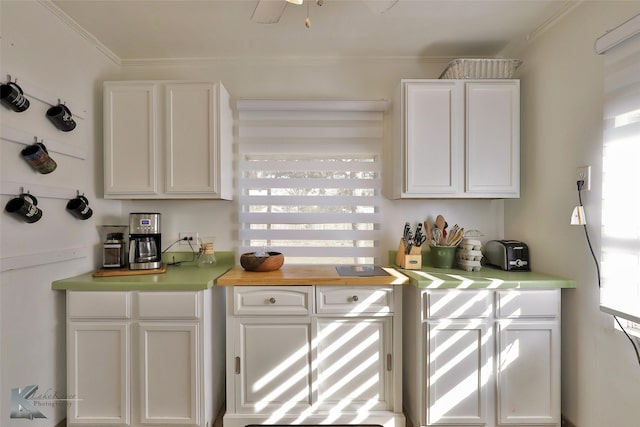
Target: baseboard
{"x":567,"y":423}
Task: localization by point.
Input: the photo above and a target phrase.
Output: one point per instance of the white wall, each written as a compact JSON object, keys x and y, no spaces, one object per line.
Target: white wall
{"x":40,"y":50}
{"x":562,"y":129}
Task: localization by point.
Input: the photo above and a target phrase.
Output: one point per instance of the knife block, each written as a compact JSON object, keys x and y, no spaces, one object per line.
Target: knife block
{"x":411,"y":260}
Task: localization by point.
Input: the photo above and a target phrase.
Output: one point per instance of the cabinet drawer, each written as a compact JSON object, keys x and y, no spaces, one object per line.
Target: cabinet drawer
{"x":292,"y":300}
{"x":168,"y":305}
{"x":457,"y":304}
{"x":538,"y":303}
{"x":354,"y":299}
{"x":98,"y":305}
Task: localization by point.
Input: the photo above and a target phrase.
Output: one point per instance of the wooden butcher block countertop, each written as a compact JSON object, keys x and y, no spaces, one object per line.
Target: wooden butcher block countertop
{"x":306,"y":275}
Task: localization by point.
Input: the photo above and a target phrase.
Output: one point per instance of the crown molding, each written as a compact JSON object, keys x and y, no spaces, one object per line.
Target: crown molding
{"x":146,"y":62}
{"x":73,"y":25}
{"x":556,"y":17}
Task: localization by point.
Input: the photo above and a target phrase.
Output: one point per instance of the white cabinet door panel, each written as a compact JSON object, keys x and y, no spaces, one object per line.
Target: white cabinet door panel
{"x":457,"y":372}
{"x":528,"y":372}
{"x":433,"y":157}
{"x":493,"y":138}
{"x":273,"y":365}
{"x":354,"y":365}
{"x":130,"y":139}
{"x":169,"y":376}
{"x":191,"y":138}
{"x":99,"y":372}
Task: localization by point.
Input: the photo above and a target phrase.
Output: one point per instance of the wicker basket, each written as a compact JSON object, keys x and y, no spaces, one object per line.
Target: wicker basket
{"x":480,"y":69}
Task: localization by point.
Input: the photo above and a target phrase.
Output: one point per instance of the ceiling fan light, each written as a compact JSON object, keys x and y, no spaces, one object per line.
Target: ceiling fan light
{"x":295,"y":1}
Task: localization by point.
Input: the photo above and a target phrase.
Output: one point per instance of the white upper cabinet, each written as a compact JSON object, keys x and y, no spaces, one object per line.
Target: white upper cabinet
{"x":455,"y":139}
{"x":167,"y":140}
{"x":492,"y":122}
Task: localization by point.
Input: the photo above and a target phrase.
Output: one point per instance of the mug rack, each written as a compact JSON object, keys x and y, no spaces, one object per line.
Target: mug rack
{"x":34,"y":91}
{"x":18,"y":136}
{"x":9,"y":188}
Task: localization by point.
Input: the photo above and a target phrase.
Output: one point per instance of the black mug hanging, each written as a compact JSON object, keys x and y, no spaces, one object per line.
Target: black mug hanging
{"x":24,"y":208}
{"x":38,"y":157}
{"x":79,"y":207}
{"x":61,"y":117}
{"x":12,"y":97}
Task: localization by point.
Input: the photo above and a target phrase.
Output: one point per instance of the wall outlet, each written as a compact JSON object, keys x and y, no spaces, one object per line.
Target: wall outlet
{"x":584,"y":174}
{"x":191,"y":236}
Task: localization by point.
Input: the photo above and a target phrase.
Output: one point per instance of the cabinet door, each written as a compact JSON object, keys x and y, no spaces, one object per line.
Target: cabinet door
{"x":130,"y":139}
{"x":192,"y":140}
{"x":273,"y":359}
{"x":433,"y":137}
{"x":169,"y":377}
{"x":493,"y":138}
{"x":458,"y":369}
{"x":528,"y":372}
{"x":98,"y":372}
{"x":354,"y":363}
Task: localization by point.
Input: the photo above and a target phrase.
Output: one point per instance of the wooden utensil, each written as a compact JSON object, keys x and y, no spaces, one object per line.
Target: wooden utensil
{"x":440,"y":222}
{"x":427,"y":229}
{"x":457,"y":237}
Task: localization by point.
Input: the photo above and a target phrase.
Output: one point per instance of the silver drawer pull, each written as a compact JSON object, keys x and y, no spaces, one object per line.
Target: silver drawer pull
{"x":272,"y":300}
{"x":354,"y":298}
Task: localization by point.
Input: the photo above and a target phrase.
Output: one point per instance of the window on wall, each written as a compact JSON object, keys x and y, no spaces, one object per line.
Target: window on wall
{"x":620,"y":244}
{"x":309,"y":180}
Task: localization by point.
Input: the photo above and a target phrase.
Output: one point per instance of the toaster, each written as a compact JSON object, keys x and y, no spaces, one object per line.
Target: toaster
{"x":510,"y":255}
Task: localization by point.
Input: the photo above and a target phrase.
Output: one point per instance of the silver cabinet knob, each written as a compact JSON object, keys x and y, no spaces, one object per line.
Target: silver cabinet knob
{"x":354,"y":298}
{"x":272,"y":300}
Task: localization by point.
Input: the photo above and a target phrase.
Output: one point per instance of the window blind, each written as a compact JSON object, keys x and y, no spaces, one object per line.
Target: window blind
{"x":309,"y":183}
{"x":620,"y":243}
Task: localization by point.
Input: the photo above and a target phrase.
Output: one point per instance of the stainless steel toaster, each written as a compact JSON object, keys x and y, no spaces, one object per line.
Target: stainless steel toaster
{"x":510,"y":255}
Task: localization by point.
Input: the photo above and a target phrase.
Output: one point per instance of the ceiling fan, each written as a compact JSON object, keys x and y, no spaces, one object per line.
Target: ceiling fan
{"x":270,"y":11}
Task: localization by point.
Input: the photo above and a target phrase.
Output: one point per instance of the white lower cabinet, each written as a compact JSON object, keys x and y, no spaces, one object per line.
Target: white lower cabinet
{"x":145,"y":358}
{"x":272,"y":365}
{"x":99,"y":372}
{"x":528,"y":374}
{"x":169,"y":377}
{"x":482,"y":357}
{"x":314,"y":355}
{"x":456,"y":372}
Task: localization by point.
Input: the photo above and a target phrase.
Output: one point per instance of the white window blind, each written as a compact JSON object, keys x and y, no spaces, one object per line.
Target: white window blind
{"x":620,"y":247}
{"x":310,"y":180}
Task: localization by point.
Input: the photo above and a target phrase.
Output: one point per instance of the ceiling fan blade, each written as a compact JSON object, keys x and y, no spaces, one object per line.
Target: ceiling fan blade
{"x":380,"y":6}
{"x":268,"y":11}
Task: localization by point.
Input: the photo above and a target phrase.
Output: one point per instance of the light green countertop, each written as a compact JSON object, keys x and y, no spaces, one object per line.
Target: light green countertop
{"x":487,"y":278}
{"x":190,"y":277}
{"x":185,"y":277}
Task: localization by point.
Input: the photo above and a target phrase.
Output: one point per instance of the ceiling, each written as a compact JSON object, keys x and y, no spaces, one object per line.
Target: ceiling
{"x":163,"y":29}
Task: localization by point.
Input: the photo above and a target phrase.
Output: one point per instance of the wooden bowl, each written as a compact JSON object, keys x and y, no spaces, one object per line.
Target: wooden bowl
{"x":250,"y":262}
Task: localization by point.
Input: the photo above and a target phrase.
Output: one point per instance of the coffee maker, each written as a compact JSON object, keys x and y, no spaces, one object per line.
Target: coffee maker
{"x":144,"y":241}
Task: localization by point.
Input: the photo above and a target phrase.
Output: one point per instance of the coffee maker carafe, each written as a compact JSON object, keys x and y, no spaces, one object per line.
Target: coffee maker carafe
{"x":144,"y":241}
